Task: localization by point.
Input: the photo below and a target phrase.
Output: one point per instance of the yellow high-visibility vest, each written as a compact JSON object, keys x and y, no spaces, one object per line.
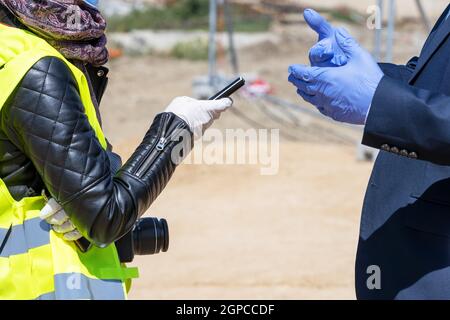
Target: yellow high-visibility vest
{"x":35,"y":262}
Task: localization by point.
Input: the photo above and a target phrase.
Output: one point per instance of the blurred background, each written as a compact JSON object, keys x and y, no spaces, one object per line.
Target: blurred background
{"x":234,"y":233}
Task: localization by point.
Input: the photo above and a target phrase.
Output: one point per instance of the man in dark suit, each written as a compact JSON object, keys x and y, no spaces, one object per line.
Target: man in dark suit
{"x":404,"y":244}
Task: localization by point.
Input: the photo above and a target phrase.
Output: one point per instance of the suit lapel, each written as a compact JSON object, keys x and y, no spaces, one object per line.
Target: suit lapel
{"x":440,"y":32}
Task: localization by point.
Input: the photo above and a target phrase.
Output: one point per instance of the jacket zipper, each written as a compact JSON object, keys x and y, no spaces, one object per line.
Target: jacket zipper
{"x":160,"y":146}
{"x":159,"y":134}
{"x":157,"y":149}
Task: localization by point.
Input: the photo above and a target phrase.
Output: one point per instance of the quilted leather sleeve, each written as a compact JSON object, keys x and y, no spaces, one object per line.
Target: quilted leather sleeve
{"x":45,"y":119}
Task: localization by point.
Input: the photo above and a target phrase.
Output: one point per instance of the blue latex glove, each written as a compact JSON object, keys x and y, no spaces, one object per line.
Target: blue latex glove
{"x":326,"y":53}
{"x":342,"y":93}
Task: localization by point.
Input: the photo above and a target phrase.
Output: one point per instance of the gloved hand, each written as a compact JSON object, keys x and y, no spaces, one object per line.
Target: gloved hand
{"x":327,"y":52}
{"x":198,"y":114}
{"x":342,"y":93}
{"x":55,"y":215}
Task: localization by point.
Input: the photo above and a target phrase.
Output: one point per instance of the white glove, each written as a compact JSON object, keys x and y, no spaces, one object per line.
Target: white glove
{"x":198,"y":114}
{"x":55,"y":215}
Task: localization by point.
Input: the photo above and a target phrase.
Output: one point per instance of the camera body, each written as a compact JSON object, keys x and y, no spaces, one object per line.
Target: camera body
{"x":149,"y":236}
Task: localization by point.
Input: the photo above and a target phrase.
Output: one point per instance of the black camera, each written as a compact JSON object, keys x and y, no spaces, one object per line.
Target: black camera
{"x":148,"y":236}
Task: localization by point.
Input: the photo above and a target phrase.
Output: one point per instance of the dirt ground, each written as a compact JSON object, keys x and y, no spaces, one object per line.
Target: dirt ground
{"x":238,"y":235}
{"x":234,"y":233}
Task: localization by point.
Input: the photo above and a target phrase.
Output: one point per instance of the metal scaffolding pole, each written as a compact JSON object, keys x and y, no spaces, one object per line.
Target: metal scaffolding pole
{"x":230,"y":30}
{"x":212,"y":73}
{"x":378,"y":31}
{"x":391,"y":28}
{"x":390,"y":32}
{"x":423,"y":15}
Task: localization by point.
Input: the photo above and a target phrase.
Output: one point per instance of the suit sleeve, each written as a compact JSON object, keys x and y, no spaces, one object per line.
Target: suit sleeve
{"x":409,"y":121}
{"x":45,"y":118}
{"x":400,"y":72}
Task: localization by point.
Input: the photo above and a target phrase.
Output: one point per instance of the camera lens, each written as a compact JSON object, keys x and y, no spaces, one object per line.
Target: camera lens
{"x":150,"y":236}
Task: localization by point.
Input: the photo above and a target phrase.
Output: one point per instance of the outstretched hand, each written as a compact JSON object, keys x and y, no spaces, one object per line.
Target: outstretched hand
{"x":342,"y":93}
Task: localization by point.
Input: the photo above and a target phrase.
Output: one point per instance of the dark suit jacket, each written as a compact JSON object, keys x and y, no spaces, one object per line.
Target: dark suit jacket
{"x":405,"y":224}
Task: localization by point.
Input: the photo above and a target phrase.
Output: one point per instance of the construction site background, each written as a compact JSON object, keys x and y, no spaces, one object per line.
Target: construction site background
{"x":234,"y":233}
{"x":406,"y":7}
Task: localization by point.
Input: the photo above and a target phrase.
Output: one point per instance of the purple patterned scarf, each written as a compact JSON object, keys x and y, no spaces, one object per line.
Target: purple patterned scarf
{"x":76,"y":30}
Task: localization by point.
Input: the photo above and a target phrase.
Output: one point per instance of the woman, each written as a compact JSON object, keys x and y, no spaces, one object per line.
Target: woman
{"x":52,"y":146}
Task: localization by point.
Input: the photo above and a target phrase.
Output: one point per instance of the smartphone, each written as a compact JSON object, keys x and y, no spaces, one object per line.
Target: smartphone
{"x":229,"y":90}
{"x":83,"y":244}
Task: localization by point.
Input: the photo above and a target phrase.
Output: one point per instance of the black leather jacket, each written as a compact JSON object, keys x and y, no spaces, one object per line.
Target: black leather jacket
{"x":47,"y":143}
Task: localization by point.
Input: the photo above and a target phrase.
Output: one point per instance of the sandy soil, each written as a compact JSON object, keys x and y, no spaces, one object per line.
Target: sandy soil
{"x":234,"y":233}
